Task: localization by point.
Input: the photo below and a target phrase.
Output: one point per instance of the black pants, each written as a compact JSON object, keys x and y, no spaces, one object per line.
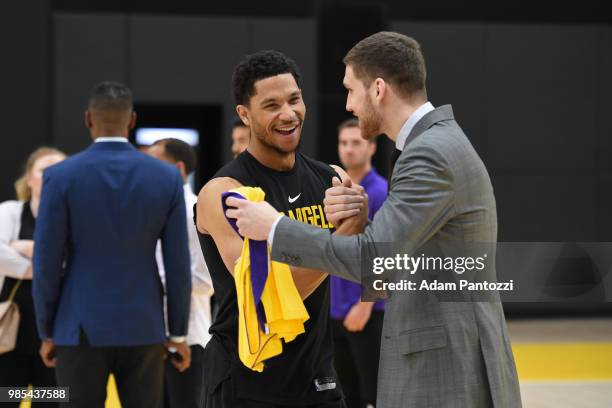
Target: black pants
{"x":20,"y":370}
{"x":223,"y":398}
{"x":356,"y":357}
{"x":218,"y":389}
{"x":184,"y":390}
{"x":138,"y":371}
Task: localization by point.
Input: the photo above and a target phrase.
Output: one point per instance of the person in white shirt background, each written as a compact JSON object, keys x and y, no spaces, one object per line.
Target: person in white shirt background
{"x":22,"y":366}
{"x":182,"y":390}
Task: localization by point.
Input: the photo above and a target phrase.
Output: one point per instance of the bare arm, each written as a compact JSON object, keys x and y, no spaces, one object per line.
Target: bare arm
{"x":212,"y":221}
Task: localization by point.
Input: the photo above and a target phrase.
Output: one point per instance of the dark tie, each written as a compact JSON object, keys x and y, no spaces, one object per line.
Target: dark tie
{"x":394,"y":156}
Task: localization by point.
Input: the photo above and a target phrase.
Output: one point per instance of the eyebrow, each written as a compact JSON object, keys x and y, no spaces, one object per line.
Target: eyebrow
{"x":273,"y":99}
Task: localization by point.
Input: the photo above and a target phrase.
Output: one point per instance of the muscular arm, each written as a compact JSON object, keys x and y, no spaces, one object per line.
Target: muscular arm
{"x":212,"y":221}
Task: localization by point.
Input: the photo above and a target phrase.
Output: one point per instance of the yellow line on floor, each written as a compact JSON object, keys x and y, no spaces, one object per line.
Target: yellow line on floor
{"x":534,"y":362}
{"x":563,"y":361}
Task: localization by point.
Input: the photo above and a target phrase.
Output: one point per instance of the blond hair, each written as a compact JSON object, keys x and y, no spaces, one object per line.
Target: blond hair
{"x":21,"y":185}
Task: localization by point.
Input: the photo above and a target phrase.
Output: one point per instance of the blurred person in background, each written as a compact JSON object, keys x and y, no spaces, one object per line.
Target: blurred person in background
{"x":23,"y":366}
{"x":357,"y":325}
{"x":97,"y":292}
{"x":183,"y":390}
{"x":241,"y":135}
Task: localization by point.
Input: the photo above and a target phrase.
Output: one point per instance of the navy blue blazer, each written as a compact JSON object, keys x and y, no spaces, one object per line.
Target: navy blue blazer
{"x":100,"y":216}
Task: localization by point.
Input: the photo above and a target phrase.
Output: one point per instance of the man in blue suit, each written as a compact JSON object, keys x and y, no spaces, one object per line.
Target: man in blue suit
{"x":97,"y":293}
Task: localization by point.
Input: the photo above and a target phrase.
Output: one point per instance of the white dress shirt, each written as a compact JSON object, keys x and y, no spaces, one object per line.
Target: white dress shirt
{"x":417,"y":115}
{"x":399,"y":144}
{"x":202,"y":289}
{"x":110,"y":139}
{"x":12,"y":263}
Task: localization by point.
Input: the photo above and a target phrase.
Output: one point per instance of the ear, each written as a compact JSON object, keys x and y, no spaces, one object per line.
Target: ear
{"x":372,"y":147}
{"x":243,"y":112}
{"x":132,"y":123}
{"x":380,"y":89}
{"x":87,"y":119}
{"x":181,"y":167}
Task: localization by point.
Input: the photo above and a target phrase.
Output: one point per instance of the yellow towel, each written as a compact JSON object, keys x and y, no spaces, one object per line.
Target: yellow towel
{"x":284,"y":309}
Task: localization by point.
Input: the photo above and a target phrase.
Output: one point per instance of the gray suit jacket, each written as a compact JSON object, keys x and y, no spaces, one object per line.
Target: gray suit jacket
{"x":433,"y":353}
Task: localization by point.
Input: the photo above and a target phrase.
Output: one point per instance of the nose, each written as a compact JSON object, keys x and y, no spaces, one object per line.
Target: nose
{"x":348,"y":107}
{"x":287,"y":114}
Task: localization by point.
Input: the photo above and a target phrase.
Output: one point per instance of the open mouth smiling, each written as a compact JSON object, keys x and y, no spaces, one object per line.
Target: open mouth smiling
{"x":286,"y":130}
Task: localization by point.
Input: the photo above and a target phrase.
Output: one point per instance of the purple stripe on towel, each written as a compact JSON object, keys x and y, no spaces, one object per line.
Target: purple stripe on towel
{"x":259,"y":262}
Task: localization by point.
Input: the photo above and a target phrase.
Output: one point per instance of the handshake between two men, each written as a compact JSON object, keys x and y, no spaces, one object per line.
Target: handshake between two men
{"x":345,"y":203}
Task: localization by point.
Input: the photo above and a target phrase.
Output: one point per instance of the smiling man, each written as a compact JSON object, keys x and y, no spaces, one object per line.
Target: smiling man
{"x":269,"y":101}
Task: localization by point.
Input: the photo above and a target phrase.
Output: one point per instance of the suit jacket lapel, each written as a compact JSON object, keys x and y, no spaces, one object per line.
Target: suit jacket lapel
{"x":440,"y":114}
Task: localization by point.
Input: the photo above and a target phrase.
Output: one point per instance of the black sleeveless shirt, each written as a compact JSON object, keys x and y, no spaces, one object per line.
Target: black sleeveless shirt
{"x":303,"y":374}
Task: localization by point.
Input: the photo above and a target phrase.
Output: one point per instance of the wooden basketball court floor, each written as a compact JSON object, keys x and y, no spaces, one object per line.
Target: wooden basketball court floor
{"x":562,"y":363}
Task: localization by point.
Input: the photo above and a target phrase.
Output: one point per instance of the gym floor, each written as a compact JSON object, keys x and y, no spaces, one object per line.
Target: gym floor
{"x":562,"y":363}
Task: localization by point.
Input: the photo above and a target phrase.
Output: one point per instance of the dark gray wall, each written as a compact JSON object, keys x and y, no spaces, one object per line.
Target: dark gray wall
{"x":533,"y":98}
{"x":535,"y":101}
{"x":169,"y":59}
{"x":25,"y":120}
{"x":85,"y":52}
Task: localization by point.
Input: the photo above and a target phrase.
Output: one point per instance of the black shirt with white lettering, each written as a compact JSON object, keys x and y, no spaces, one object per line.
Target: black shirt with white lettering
{"x":303,"y":374}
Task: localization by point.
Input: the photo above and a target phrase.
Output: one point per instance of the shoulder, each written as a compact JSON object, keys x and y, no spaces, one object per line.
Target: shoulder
{"x":209,"y":208}
{"x":319,"y":167}
{"x":155,"y":170}
{"x":65,"y":166}
{"x":378,"y":187}
{"x":216,"y":186}
{"x":446,"y":137}
{"x":154,"y":164}
{"x":430,"y":147}
{"x":379,"y":180}
{"x":232,"y":167}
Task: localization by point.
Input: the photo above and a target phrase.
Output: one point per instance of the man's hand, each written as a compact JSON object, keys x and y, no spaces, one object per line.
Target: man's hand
{"x":183,"y":350}
{"x":344,"y":200}
{"x":358,"y":316}
{"x":254,"y":220}
{"x":47,"y":353}
{"x":25,"y":247}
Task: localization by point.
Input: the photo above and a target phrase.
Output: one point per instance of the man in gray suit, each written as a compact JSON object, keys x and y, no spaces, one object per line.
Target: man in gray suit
{"x":434,"y":353}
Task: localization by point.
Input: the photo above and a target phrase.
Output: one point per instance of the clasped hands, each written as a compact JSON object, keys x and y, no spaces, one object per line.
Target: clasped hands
{"x":344,"y":202}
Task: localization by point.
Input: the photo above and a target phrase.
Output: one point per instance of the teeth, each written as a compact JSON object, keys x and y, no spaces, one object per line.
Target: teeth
{"x":286,"y":129}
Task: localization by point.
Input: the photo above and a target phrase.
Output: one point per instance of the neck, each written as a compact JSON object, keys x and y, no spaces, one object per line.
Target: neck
{"x":358,"y":173}
{"x":100,"y":132}
{"x":34,"y":202}
{"x":398,"y":114}
{"x":272,"y":158}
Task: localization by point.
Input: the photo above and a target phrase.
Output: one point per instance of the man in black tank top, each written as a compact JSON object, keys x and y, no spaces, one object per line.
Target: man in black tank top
{"x":266,"y":89}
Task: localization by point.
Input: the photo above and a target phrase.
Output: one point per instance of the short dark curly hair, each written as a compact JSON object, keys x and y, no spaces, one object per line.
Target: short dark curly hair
{"x":260,"y":65}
